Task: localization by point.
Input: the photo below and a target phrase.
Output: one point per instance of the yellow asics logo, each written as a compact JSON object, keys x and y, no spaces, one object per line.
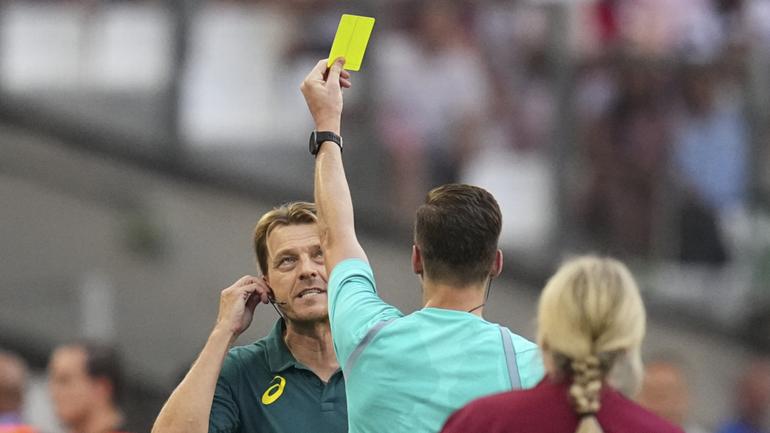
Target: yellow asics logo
{"x":275,"y":391}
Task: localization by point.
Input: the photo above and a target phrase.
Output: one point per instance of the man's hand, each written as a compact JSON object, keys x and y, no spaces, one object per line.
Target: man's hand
{"x":324,"y":95}
{"x":189,"y":407}
{"x":237,"y":304}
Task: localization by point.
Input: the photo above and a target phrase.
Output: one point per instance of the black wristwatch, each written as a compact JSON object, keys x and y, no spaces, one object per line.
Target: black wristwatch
{"x":319,"y":137}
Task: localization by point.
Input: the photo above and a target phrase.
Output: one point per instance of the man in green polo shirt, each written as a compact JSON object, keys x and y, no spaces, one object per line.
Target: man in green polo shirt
{"x":287,"y":382}
{"x":408,"y":373}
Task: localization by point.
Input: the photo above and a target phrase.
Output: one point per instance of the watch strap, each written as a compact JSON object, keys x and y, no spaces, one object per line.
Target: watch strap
{"x":320,"y":137}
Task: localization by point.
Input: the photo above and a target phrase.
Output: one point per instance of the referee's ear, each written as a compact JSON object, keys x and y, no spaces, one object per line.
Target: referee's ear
{"x":497,"y":264}
{"x":416,"y":260}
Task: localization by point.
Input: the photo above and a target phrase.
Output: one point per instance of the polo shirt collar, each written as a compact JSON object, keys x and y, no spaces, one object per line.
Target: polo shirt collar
{"x":279,"y":357}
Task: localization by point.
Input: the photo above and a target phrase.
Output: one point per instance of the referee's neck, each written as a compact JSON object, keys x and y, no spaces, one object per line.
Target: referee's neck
{"x":452,"y":297}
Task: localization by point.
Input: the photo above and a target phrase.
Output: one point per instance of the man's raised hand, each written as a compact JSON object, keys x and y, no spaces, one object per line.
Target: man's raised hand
{"x":323,"y":94}
{"x":237,"y":304}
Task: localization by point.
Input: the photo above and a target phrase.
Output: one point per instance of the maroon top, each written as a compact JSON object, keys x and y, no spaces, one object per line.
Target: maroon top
{"x":546,"y":409}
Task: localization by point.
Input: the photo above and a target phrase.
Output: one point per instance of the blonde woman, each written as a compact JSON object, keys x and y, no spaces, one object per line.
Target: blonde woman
{"x":591,"y":323}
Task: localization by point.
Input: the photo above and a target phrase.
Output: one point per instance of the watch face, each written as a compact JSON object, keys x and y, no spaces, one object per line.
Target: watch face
{"x":313,"y":145}
{"x":318,"y":138}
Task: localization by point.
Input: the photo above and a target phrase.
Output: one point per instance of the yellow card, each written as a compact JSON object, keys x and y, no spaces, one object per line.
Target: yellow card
{"x":351,"y":40}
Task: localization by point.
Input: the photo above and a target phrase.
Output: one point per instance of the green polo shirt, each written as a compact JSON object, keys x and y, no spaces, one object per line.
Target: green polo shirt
{"x":263,"y":389}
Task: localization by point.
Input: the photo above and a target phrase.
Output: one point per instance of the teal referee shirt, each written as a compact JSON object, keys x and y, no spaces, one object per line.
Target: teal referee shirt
{"x":408,"y":373}
{"x":263,"y":389}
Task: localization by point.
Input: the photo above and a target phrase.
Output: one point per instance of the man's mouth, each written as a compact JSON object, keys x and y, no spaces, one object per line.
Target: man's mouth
{"x":310,"y":291}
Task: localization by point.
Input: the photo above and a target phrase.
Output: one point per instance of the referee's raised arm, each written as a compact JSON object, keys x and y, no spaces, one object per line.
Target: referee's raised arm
{"x":322,"y":90}
{"x":423,"y":359}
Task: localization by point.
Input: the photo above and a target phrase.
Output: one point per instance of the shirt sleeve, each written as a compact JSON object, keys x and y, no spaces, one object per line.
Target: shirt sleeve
{"x":354,"y":306}
{"x":225,"y":415}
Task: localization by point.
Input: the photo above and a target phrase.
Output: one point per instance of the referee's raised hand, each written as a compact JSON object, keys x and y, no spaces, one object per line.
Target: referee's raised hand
{"x":322,"y":89}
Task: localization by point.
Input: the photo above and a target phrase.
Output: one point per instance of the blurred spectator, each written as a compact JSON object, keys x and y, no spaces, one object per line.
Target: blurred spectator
{"x":506,"y":151}
{"x":752,"y":400}
{"x":666,"y":392}
{"x":660,"y":28}
{"x":13,"y":383}
{"x":595,"y":88}
{"x":731,"y":14}
{"x":627,"y":151}
{"x":508,"y":158}
{"x":426,"y":119}
{"x":512,"y":42}
{"x":710,"y":152}
{"x":85,"y":384}
{"x":606,"y":15}
{"x":755,"y":22}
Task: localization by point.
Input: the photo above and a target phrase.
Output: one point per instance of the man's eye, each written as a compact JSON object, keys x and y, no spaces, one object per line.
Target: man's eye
{"x":286,"y":260}
{"x":318,"y":253}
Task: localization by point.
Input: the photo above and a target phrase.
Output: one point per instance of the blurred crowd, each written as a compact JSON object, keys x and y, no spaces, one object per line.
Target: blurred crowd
{"x":660,"y":136}
{"x":85,"y":387}
{"x":661,"y":150}
{"x":666,"y":391}
{"x":659,"y":130}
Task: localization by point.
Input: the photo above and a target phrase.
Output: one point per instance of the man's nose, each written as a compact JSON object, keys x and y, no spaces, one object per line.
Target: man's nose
{"x":307,"y":268}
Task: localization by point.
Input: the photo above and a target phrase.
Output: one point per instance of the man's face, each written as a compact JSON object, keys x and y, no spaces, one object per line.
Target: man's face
{"x":296,"y":272}
{"x":72,"y":390}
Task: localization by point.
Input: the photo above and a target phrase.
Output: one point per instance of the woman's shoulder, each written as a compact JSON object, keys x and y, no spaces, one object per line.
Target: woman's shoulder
{"x":500,"y":412}
{"x":480,"y":413}
{"x":524,"y":398}
{"x":623,"y":412}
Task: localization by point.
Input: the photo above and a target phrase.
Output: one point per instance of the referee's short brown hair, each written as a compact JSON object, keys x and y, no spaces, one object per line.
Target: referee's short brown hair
{"x":457,"y":231}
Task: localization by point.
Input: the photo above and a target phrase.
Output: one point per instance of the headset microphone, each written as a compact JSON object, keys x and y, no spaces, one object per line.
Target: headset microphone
{"x":274,"y":303}
{"x":272,"y":300}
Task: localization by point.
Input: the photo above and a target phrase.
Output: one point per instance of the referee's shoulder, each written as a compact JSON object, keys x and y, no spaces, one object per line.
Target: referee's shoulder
{"x":522,"y":344}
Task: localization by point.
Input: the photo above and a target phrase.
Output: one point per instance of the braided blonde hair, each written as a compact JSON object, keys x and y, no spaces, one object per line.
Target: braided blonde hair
{"x":590,"y":315}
